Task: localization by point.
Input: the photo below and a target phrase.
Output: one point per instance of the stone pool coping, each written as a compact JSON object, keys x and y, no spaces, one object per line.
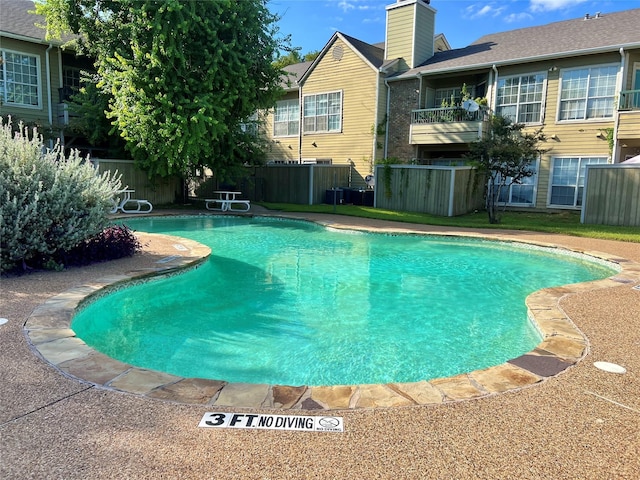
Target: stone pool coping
{"x":563,"y":345}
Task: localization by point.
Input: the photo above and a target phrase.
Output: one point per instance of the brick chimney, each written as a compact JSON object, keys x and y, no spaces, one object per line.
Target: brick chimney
{"x":410,"y":32}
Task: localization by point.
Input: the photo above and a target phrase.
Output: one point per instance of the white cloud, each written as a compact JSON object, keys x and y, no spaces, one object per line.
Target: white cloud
{"x":360,"y":5}
{"x":550,"y":5}
{"x":479,"y":10}
{"x":518,"y":17}
{"x":346,"y":5}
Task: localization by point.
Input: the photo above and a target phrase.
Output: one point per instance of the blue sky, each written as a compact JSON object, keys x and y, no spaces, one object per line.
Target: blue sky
{"x":311,"y":23}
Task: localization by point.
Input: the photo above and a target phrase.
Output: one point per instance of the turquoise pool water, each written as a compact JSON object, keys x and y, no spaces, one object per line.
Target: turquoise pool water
{"x":292,"y":303}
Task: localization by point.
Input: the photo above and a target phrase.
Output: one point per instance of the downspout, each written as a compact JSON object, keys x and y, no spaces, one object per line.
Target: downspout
{"x":375,"y":122}
{"x":300,"y":119}
{"x":614,"y":148}
{"x":49,"y":92}
{"x":61,"y":83}
{"x":495,"y":85}
{"x":386,"y":126}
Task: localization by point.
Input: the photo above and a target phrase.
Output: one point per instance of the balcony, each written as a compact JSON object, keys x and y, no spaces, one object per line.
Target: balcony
{"x":447,"y":125}
{"x":629,"y":116}
{"x":629,"y":100}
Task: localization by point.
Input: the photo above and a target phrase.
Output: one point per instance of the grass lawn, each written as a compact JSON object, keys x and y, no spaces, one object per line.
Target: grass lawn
{"x":567,"y":223}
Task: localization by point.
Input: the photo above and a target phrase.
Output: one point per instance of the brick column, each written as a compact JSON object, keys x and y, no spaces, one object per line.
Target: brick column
{"x":403,"y":99}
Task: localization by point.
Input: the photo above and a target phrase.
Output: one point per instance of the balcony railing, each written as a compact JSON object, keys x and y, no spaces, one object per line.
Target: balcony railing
{"x":629,"y":100}
{"x":448,"y":114}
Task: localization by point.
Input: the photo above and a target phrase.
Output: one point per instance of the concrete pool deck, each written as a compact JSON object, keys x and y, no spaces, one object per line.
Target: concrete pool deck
{"x":583,"y":423}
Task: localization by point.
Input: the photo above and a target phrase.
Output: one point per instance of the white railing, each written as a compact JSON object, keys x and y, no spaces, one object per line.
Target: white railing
{"x":448,"y":114}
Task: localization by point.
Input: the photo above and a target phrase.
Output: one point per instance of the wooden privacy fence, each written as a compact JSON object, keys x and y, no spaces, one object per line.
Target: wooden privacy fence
{"x":158,"y":190}
{"x":611,"y":195}
{"x":297,"y":183}
{"x":444,"y":191}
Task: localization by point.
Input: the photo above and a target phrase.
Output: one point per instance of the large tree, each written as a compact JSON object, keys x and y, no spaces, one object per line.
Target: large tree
{"x":183,"y":76}
{"x":506,"y":156}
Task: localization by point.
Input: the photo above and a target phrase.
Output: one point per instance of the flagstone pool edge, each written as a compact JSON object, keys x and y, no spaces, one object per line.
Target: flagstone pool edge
{"x":563,"y":345}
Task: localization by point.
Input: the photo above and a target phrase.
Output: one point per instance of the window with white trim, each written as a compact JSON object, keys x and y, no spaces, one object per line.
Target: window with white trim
{"x":448,"y":96}
{"x":520,"y":98}
{"x":567,"y":179}
{"x":20,"y":79}
{"x":523,"y":193}
{"x":588,"y":93}
{"x":286,"y":120}
{"x":322,"y":112}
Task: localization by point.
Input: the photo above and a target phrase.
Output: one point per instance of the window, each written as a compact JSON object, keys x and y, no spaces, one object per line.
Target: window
{"x":588,"y":93}
{"x":567,"y":179}
{"x":250,"y":125}
{"x":523,"y":193}
{"x":323,"y":112}
{"x":19,"y":79}
{"x":71,"y":77}
{"x":286,"y":118}
{"x":448,"y":96}
{"x":520,"y":98}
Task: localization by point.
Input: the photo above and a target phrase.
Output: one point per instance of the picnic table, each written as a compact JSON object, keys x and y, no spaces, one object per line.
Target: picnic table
{"x":225,"y":200}
{"x":124,"y":197}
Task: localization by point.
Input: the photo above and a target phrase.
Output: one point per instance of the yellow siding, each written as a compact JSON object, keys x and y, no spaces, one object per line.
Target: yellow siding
{"x":629,"y":125}
{"x":425,"y":33}
{"x":358,"y":83}
{"x":445,"y":133}
{"x":280,"y":148}
{"x":400,"y":32}
{"x":39,"y":114}
{"x":572,"y":139}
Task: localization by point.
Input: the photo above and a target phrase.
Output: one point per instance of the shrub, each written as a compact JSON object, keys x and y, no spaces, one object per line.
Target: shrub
{"x":111,"y":243}
{"x":48,"y":202}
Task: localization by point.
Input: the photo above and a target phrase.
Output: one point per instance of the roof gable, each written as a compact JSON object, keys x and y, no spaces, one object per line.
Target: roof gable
{"x":370,"y":54}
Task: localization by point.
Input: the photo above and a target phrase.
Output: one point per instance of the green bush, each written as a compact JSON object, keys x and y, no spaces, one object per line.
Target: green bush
{"x":48,"y":202}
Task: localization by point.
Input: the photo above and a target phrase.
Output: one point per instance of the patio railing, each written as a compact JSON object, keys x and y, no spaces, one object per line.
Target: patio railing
{"x":629,"y":100}
{"x":448,"y":114}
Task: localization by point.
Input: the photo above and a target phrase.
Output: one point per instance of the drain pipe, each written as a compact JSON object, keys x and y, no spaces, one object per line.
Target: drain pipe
{"x":616,"y":121}
{"x":300,"y":120}
{"x":386,"y":126}
{"x":495,"y":83}
{"x":49,"y":92}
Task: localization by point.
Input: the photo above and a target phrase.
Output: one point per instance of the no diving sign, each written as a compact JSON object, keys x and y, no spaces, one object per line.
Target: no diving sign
{"x":272,"y":422}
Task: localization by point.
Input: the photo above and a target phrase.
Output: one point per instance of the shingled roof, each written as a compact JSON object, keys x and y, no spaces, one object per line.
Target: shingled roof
{"x":600,"y":33}
{"x":15,"y":20}
{"x":373,"y":53}
{"x":294,"y":73}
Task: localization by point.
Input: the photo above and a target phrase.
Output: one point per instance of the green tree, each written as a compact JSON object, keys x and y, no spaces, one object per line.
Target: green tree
{"x":290,"y":58}
{"x":87,"y":107}
{"x":183,"y":75}
{"x":311,"y":56}
{"x":294,"y":57}
{"x":506,"y":155}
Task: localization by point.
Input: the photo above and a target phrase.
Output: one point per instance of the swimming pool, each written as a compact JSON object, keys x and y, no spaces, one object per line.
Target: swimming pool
{"x":292,"y":303}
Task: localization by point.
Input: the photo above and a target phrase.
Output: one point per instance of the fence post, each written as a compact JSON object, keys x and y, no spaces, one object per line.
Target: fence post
{"x":452,"y":188}
{"x":311,"y":190}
